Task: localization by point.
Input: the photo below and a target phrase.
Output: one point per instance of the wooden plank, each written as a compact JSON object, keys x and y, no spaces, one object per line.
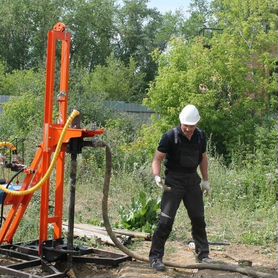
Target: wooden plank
{"x":90,"y":234}
{"x":89,"y":227}
{"x":98,"y":234}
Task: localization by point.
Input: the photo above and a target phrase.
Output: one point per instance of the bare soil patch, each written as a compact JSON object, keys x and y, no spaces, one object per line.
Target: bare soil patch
{"x":263,"y":259}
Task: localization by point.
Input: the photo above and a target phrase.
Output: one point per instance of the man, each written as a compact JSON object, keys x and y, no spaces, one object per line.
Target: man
{"x":183,"y":149}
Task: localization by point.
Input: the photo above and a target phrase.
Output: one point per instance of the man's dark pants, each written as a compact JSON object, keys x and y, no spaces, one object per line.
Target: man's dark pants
{"x":186,"y":188}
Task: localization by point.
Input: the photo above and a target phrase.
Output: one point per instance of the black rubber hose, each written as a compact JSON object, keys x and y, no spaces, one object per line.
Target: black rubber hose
{"x":213,"y":266}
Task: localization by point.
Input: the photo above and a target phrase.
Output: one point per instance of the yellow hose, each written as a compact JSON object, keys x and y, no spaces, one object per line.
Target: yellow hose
{"x":7,"y":145}
{"x":52,"y":164}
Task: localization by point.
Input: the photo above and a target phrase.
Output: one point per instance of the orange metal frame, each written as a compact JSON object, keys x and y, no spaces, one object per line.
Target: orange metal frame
{"x":51,"y":136}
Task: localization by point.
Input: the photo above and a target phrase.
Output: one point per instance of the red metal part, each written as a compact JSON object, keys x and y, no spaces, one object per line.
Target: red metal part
{"x":51,"y":134}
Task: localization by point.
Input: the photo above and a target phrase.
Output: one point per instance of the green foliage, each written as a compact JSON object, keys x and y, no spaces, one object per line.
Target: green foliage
{"x":117,"y":81}
{"x":144,"y":145}
{"x":254,"y":234}
{"x":244,"y":225}
{"x":231,"y":82}
{"x":198,"y":19}
{"x":230,"y":76}
{"x":120,"y":133}
{"x":2,"y":77}
{"x":21,"y":114}
{"x":131,"y":31}
{"x":98,"y":27}
{"x":142,"y":214}
{"x":85,"y":100}
{"x":20,"y":82}
{"x":250,"y":181}
{"x":138,"y":26}
{"x":24,"y":25}
{"x":92,"y":24}
{"x":170,"y":26}
{"x":21,"y":117}
{"x":29,"y":229}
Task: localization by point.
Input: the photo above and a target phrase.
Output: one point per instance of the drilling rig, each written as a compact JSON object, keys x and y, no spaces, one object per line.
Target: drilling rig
{"x":61,"y":136}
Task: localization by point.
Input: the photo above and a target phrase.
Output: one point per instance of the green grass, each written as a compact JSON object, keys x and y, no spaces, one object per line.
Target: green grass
{"x":241,"y":209}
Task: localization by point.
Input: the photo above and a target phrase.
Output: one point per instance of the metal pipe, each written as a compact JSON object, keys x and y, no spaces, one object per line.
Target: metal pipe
{"x":73,"y":171}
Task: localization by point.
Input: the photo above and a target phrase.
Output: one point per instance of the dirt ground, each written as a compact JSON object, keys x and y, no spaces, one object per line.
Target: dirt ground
{"x":263,"y":260}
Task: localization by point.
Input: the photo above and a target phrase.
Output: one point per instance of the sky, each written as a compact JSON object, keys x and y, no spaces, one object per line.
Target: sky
{"x":169,"y":5}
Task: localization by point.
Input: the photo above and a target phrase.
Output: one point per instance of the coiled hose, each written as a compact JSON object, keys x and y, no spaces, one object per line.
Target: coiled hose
{"x":36,"y":187}
{"x":214,"y":266}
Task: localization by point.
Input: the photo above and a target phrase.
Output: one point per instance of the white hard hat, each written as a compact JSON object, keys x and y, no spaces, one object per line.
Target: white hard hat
{"x":189,"y":115}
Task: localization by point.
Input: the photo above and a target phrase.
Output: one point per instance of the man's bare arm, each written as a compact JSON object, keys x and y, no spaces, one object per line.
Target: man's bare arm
{"x":156,"y":164}
{"x":204,"y":167}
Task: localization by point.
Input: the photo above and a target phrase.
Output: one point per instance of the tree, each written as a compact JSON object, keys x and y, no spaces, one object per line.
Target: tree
{"x":171,"y":26}
{"x":117,"y":81}
{"x":99,"y":28}
{"x":200,"y":18}
{"x":22,"y":81}
{"x":92,"y":25}
{"x":2,"y":78}
{"x":230,"y":82}
{"x":21,"y":115}
{"x":24,"y":25}
{"x":254,"y":27}
{"x":137,"y":27}
{"x":83,"y":98}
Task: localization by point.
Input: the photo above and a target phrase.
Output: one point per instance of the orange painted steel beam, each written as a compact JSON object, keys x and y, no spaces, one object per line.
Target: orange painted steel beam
{"x":52,"y":130}
{"x":51,"y":139}
{"x":55,"y":132}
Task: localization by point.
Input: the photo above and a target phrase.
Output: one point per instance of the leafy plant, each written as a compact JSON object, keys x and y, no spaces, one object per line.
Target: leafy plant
{"x":142,"y":214}
{"x":230,"y":77}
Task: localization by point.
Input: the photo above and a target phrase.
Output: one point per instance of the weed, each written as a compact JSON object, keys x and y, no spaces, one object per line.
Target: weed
{"x":141,"y":215}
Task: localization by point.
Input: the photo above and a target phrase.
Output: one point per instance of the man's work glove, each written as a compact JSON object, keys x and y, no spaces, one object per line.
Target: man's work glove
{"x":205,"y":187}
{"x":160,"y":183}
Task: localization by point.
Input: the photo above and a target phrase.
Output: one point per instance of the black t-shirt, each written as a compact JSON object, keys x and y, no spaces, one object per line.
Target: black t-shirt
{"x":176,"y":146}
